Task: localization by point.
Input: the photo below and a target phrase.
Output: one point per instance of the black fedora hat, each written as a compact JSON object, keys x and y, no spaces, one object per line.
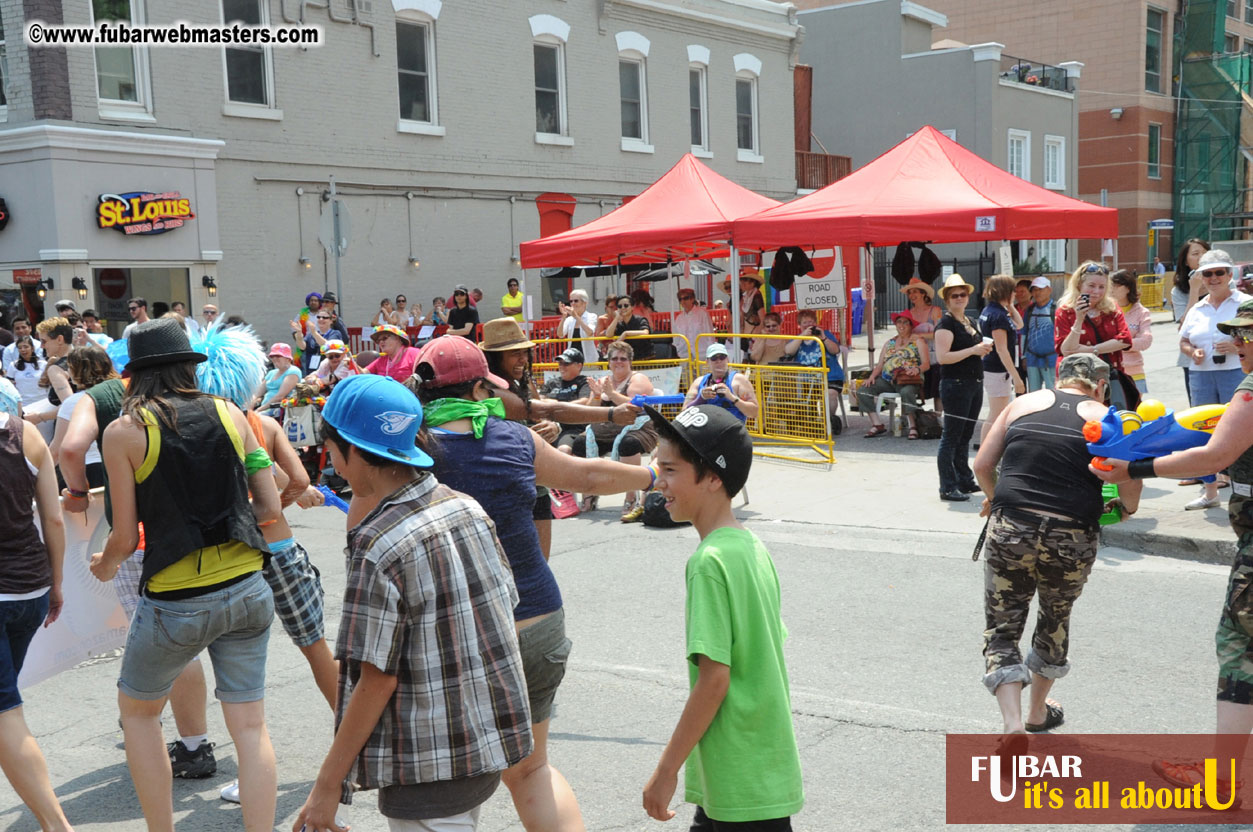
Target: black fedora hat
{"x":162,"y":341}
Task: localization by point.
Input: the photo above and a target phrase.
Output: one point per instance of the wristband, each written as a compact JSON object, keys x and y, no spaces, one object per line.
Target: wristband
{"x":75,"y":493}
{"x":1142,"y":468}
{"x":611,"y":410}
{"x":652,"y":472}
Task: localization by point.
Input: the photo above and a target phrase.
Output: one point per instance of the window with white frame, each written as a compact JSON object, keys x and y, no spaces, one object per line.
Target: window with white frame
{"x":747,"y":112}
{"x":1055,"y":162}
{"x":698,"y":98}
{"x":122,"y":84}
{"x":415,"y":75}
{"x":1052,"y":255}
{"x":633,"y":51}
{"x":1018,"y":160}
{"x":549,"y":57}
{"x":250,"y":68}
{"x":1155,"y":151}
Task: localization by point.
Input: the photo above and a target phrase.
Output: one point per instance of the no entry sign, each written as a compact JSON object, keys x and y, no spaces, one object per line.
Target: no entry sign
{"x":112,"y":283}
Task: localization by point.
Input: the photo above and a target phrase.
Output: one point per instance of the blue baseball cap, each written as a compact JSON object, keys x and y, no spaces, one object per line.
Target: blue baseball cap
{"x":378,"y":414}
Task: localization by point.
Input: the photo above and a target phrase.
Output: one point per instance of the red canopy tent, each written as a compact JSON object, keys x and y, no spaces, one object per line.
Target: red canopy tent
{"x":686,"y":213}
{"x":927,"y":188}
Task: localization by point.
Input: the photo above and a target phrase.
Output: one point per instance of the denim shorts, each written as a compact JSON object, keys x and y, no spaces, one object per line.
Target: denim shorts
{"x":233,"y":623}
{"x":545,"y":650}
{"x":1214,"y":386}
{"x":298,"y":593}
{"x":19,"y":621}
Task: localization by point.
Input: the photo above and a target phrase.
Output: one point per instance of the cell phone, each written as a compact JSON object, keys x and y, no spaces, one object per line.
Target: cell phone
{"x":1086,"y":298}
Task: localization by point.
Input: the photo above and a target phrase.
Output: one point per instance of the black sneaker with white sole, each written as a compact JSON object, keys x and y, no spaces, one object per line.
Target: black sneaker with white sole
{"x":192,"y":765}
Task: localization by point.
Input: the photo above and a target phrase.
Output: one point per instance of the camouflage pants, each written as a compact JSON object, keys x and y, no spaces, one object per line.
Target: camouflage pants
{"x":1048,"y":556}
{"x":1234,"y":639}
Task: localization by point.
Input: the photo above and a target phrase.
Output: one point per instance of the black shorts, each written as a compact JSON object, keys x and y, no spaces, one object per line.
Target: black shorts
{"x":543,"y":506}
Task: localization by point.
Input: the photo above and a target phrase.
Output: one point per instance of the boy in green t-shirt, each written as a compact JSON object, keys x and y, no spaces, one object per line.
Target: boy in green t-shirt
{"x":743,"y":769}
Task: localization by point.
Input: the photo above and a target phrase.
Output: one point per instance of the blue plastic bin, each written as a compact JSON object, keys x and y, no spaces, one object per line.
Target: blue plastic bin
{"x":859,"y":310}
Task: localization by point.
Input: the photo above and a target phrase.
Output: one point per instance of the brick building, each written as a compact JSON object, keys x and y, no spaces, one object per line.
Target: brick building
{"x":449,"y":128}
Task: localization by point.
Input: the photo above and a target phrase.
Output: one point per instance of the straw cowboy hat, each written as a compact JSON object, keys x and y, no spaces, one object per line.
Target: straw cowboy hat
{"x":918,"y":283}
{"x":955,"y":281}
{"x":746,"y":273}
{"x":502,"y":334}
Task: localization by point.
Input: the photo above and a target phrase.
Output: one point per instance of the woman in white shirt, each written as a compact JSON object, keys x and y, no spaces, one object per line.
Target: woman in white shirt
{"x":577,"y":321}
{"x":27,"y":371}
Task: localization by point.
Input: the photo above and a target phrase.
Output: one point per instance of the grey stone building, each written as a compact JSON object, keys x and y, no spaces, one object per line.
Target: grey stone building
{"x":1020,"y":113}
{"x":449,"y":127}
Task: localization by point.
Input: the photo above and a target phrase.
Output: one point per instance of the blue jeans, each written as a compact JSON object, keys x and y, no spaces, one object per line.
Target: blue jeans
{"x":1040,"y":378}
{"x":962,"y":399}
{"x":19,"y":621}
{"x":1214,"y":386}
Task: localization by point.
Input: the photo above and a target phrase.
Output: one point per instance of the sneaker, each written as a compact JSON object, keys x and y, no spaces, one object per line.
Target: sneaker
{"x":1202,"y":502}
{"x":636,"y":512}
{"x":230,"y":793}
{"x":192,"y":764}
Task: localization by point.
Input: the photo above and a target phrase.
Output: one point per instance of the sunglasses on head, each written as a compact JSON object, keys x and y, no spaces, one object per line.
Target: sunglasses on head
{"x":1095,"y":268}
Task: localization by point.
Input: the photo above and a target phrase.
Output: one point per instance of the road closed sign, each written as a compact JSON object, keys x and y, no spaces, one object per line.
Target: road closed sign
{"x":825,"y":293}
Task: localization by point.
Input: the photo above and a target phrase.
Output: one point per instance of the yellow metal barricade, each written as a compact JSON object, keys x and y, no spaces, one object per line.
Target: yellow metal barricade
{"x":670,"y":376}
{"x":793,"y":414}
{"x":1152,"y":291}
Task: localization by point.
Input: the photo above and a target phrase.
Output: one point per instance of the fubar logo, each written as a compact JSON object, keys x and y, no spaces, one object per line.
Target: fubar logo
{"x":692,"y":418}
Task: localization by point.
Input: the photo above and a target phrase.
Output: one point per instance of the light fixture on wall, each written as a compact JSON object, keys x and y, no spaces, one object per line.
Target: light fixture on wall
{"x":413,"y":261}
{"x":81,"y":285}
{"x":210,"y":284}
{"x":516,"y":261}
{"x":1115,"y":113}
{"x":43,"y":287}
{"x":306,"y":263}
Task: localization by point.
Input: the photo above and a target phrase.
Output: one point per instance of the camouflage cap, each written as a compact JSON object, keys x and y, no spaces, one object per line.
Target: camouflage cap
{"x":1085,"y":366}
{"x":1243,"y":318}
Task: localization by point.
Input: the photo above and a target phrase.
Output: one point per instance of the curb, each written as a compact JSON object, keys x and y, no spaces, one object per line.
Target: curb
{"x":1200,"y":550}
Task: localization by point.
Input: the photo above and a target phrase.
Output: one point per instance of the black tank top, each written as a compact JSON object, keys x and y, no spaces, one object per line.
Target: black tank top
{"x":24,"y":565}
{"x":1045,"y":464}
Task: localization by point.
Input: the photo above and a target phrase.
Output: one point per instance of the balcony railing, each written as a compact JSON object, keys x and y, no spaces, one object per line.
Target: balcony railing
{"x":817,"y":170}
{"x":1035,"y":74}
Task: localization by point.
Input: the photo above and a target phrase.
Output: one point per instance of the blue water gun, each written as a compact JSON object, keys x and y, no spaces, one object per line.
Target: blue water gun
{"x":332,"y":499}
{"x":656,"y":401}
{"x":1151,"y":430}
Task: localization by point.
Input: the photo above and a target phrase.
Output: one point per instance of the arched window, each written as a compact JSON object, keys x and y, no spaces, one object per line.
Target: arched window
{"x":747,"y":118}
{"x":416,"y":66}
{"x":549,"y":50}
{"x":633,"y":90}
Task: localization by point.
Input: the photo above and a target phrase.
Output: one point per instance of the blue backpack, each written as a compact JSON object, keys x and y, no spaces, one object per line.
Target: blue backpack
{"x":1039,"y":336}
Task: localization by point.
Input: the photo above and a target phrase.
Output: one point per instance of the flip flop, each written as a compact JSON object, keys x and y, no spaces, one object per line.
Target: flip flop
{"x":913,"y":433}
{"x":1189,"y":482}
{"x":877,"y":430}
{"x":1054,"y":716}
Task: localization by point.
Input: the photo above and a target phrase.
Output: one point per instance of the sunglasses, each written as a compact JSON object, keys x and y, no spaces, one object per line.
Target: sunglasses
{"x":1216,"y":272}
{"x":132,"y":308}
{"x":1242,"y":335}
{"x":208,"y":311}
{"x":958,"y":295}
{"x":324,"y":317}
{"x":624,"y":306}
{"x":613,"y":359}
{"x":720,"y":358}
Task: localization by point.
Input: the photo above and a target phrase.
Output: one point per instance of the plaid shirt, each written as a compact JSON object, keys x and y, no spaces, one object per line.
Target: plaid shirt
{"x":429,"y":599}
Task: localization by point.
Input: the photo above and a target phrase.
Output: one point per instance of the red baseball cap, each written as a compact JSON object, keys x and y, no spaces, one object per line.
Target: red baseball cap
{"x":451,"y":359}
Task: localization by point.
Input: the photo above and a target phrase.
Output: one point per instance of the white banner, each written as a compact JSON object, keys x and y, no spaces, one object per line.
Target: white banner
{"x":92,"y":621}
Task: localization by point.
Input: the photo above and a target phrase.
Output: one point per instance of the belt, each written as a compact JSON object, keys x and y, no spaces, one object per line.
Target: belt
{"x":1044,"y":521}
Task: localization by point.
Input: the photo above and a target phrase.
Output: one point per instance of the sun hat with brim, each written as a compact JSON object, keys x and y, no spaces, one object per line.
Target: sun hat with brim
{"x":377,"y":414}
{"x":1243,"y":318}
{"x":388,"y":329}
{"x":717,"y":437}
{"x":954,"y":281}
{"x":451,"y":359}
{"x":920,"y":284}
{"x":158,"y":342}
{"x":500,"y":334}
{"x":1215,"y":257}
{"x":334,"y":346}
{"x":329,"y":297}
{"x":281,"y":349}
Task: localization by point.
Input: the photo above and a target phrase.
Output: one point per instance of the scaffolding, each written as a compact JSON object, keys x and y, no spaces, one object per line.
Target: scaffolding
{"x":1214,"y":123}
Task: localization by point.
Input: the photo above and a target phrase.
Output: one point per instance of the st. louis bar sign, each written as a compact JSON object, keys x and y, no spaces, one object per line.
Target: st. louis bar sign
{"x":140,"y":212}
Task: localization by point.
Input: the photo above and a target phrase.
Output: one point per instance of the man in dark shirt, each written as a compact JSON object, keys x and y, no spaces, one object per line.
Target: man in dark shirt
{"x":463,"y":319}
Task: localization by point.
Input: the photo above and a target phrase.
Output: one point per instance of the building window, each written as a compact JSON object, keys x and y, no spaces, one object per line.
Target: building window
{"x":1055,"y":162}
{"x":1052,"y":254}
{"x":1155,"y":151}
{"x":1153,"y":39}
{"x":746,"y":114}
{"x":631,"y":89}
{"x":1248,"y":11}
{"x":1248,"y":46}
{"x":1231,"y":43}
{"x":549,"y":103}
{"x":4,"y":77}
{"x":249,"y":69}
{"x":698,"y":95}
{"x":1019,"y":157}
{"x":1233,"y":9}
{"x":122,"y":84}
{"x":415,"y":73}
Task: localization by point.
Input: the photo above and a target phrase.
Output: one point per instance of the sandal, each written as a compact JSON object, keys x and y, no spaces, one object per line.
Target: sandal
{"x":1192,"y":481}
{"x":589,"y":503}
{"x":913,"y":433}
{"x":1053,"y":717}
{"x":876,"y":430}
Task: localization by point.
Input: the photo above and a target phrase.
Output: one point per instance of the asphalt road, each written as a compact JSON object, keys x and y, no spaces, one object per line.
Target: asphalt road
{"x":883,"y":654}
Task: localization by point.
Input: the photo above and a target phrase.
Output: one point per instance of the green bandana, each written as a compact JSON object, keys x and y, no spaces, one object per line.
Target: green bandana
{"x":441,"y":411}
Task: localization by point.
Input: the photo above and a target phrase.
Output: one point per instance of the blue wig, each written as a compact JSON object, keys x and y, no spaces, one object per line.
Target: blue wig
{"x":236,"y":363}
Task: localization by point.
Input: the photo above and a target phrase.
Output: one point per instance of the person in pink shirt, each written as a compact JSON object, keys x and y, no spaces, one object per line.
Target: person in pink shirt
{"x":396,"y":357}
{"x":1125,"y":292}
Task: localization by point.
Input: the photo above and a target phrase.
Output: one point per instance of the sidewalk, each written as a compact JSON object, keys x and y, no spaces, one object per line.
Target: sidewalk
{"x":891,"y":482}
